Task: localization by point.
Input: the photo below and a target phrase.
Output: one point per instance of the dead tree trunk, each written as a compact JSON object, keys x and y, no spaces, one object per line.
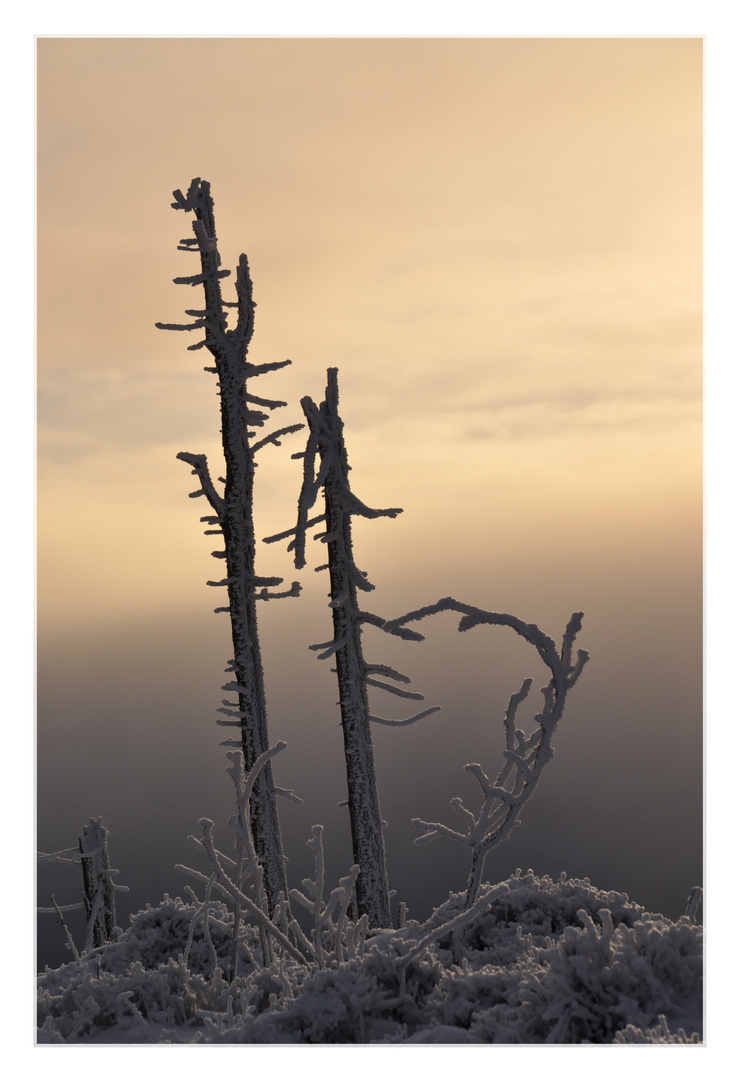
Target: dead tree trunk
{"x":100,"y":904}
{"x":354,"y":674}
{"x":233,"y":512}
{"x":366,"y":824}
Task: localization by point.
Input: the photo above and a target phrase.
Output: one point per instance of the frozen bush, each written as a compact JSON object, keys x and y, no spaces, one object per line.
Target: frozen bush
{"x":89,"y":1004}
{"x":534,"y":908}
{"x":157,"y":934}
{"x":659,"y":1034}
{"x":592,"y":981}
{"x":545,"y":961}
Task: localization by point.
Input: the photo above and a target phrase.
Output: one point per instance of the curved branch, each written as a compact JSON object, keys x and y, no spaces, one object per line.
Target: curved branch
{"x":405,"y":723}
{"x":200,"y":469}
{"x":524,"y":758}
{"x":475,"y":616}
{"x":274,"y":437}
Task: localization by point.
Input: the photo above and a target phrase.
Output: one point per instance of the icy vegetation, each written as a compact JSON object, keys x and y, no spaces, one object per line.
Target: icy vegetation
{"x":535,"y":961}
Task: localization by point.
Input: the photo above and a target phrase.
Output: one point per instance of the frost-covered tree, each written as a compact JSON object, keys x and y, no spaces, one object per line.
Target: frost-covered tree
{"x":98,"y":900}
{"x":525,"y":756}
{"x":354,"y":673}
{"x":232,"y":517}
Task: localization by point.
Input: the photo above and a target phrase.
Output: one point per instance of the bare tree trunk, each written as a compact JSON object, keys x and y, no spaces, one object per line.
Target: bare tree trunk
{"x":366,"y":824}
{"x":326,"y":440}
{"x":100,"y":904}
{"x":354,"y":674}
{"x":475,"y":877}
{"x":238,"y":533}
{"x":233,"y":512}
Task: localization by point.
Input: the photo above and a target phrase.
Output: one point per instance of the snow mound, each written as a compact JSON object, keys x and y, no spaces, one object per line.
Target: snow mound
{"x":546,"y":961}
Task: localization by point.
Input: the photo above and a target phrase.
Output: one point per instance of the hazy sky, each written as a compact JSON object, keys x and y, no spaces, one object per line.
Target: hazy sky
{"x":498,"y":243}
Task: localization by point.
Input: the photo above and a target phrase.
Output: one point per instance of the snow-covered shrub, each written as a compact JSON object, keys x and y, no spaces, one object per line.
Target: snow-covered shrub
{"x":534,"y":967}
{"x":556,"y":961}
{"x":355,"y":1002}
{"x":90,"y":1003}
{"x":532,"y":909}
{"x":592,"y":981}
{"x":334,"y":938}
{"x":163,"y":932}
{"x":659,"y":1034}
{"x":335,"y":1006}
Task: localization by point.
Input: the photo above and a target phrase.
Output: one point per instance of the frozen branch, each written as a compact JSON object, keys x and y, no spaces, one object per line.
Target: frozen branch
{"x":473,"y":616}
{"x":294,"y":590}
{"x":341,"y":933}
{"x":459,"y":920}
{"x":388,"y":627}
{"x":693,"y":900}
{"x":200,"y":469}
{"x":276,"y":435}
{"x":70,"y":940}
{"x":222,"y":880}
{"x":389,"y":672}
{"x":524,"y":757}
{"x":394,"y":689}
{"x":409,"y":720}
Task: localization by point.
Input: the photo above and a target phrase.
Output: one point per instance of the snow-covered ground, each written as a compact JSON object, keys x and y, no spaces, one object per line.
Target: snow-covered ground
{"x":539,"y":961}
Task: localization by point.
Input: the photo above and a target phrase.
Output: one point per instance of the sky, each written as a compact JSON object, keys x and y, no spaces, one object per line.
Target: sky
{"x":498,"y":242}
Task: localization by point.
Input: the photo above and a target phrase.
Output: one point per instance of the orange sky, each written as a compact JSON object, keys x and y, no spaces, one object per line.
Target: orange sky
{"x":498,"y":242}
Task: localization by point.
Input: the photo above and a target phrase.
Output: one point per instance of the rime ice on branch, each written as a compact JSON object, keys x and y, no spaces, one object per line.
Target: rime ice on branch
{"x":335,"y":938}
{"x":232,"y":515}
{"x":524,"y":756}
{"x":241,"y":880}
{"x":99,"y":888}
{"x":354,"y":674}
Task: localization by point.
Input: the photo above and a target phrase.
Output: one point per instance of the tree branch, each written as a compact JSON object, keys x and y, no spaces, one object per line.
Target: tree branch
{"x":200,"y":469}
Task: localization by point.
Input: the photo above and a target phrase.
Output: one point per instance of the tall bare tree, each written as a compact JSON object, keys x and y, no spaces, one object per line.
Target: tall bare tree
{"x":232,"y":517}
{"x":354,"y":673}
